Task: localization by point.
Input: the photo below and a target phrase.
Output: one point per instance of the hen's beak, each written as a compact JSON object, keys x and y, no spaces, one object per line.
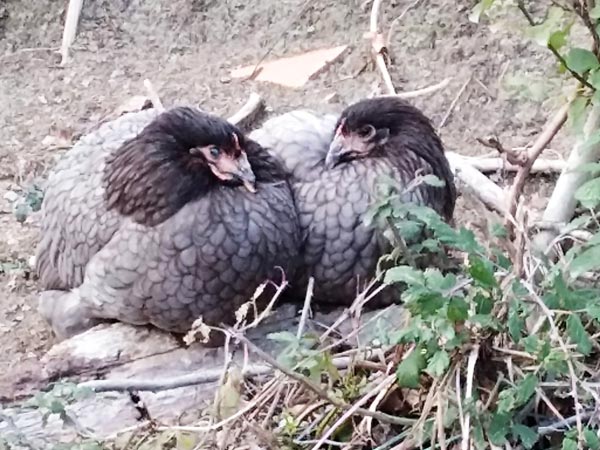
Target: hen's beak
{"x":336,"y":151}
{"x":245,"y":174}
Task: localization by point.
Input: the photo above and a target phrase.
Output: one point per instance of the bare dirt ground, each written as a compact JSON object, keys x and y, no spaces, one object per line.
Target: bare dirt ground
{"x":187,"y":48}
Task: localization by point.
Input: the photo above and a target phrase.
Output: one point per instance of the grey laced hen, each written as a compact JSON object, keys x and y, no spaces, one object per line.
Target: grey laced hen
{"x":336,"y":165}
{"x":160,"y":219}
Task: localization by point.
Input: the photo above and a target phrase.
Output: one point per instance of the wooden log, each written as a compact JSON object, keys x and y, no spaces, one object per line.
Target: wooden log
{"x":120,"y":352}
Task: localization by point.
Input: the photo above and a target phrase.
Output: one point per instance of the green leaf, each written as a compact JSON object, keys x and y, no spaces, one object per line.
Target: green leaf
{"x":577,"y":114}
{"x":578,"y":334}
{"x":498,"y":230}
{"x":483,"y":303}
{"x":569,"y":444}
{"x":558,"y":39}
{"x":439,"y":362}
{"x":506,"y":401}
{"x":593,"y":311}
{"x":404,"y":274}
{"x":482,"y":272}
{"x":516,"y":324}
{"x":479,"y":9}
{"x":589,"y":193}
{"x":581,"y":60}
{"x":525,"y":389}
{"x":591,"y":141}
{"x":56,"y":407}
{"x":593,"y":168}
{"x":283,"y":336}
{"x":458,"y":310}
{"x":525,"y":434}
{"x":587,"y":260}
{"x":595,"y":12}
{"x":543,"y":33}
{"x":498,"y":429}
{"x":409,"y":370}
{"x":591,"y":439}
{"x":594,"y":78}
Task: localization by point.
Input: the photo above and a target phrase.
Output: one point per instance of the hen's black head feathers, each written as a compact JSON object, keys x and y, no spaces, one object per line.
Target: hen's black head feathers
{"x":385,"y":112}
{"x":154,"y":174}
{"x":412,"y":139}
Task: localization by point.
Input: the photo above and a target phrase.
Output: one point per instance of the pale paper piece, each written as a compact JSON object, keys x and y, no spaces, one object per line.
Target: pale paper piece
{"x":293,"y":71}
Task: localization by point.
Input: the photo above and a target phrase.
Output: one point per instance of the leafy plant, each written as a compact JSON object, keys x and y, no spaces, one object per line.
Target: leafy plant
{"x":483,"y":305}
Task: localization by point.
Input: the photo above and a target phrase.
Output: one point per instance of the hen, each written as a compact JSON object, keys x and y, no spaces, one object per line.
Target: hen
{"x":336,"y":165}
{"x":160,"y":219}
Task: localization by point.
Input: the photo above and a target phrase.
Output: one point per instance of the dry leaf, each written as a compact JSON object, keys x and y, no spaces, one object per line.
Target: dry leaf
{"x":293,"y":71}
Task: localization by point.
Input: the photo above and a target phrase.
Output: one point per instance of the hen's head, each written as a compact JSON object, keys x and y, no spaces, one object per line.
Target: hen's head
{"x":196,"y":141}
{"x":392,"y":128}
{"x":179,"y":156}
{"x":364,"y":128}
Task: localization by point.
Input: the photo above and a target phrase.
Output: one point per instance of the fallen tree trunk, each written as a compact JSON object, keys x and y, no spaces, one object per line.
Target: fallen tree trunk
{"x":119,"y":354}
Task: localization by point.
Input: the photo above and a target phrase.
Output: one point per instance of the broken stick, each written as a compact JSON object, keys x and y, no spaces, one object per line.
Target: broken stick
{"x":538,"y":147}
{"x":70,"y":30}
{"x":248,"y":112}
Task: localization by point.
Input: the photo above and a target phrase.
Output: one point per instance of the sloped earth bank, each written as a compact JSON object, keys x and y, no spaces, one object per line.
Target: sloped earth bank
{"x":187,"y":48}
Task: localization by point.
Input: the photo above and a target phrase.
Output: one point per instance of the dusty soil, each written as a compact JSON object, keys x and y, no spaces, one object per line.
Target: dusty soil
{"x":187,"y":47}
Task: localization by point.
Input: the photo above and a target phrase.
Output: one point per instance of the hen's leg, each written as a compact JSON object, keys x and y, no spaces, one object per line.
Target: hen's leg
{"x":66,"y":313}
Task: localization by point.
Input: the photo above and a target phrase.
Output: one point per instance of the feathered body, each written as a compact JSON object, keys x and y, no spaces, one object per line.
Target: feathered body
{"x":144,"y":222}
{"x":337,"y":163}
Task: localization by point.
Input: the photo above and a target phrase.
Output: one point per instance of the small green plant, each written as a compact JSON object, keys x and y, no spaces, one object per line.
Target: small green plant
{"x":483,"y":308}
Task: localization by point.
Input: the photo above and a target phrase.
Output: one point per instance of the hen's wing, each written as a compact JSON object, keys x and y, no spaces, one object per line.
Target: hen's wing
{"x":338,"y":249}
{"x":300,"y":139}
{"x":75,"y":223}
{"x":206,"y":260}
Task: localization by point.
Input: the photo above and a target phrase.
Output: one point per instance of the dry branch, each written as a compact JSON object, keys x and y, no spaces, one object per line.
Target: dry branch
{"x":320,"y":391}
{"x":70,"y":30}
{"x":425,"y":91}
{"x":459,"y":94}
{"x":158,"y":384}
{"x":378,"y":47}
{"x":246,"y":114}
{"x":490,"y":164}
{"x":153,"y":95}
{"x":489,"y":192}
{"x":561,"y":205}
{"x":538,"y":147}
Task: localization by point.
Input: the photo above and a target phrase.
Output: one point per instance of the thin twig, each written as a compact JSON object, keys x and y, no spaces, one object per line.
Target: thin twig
{"x":318,"y":390}
{"x":454,"y":102}
{"x":561,"y":424}
{"x":378,"y":47}
{"x":545,"y":137}
{"x":382,"y":386}
{"x":399,"y":18}
{"x":70,"y":30}
{"x":423,"y":91}
{"x":473,"y":355}
{"x":246,"y":113}
{"x":28,"y":50}
{"x":153,"y":95}
{"x":306,"y":307}
{"x":574,"y":379}
{"x":158,"y":384}
{"x":554,"y":50}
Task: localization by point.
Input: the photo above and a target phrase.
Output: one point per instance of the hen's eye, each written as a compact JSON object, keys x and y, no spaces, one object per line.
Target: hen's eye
{"x":215,"y":152}
{"x":367,"y":131}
